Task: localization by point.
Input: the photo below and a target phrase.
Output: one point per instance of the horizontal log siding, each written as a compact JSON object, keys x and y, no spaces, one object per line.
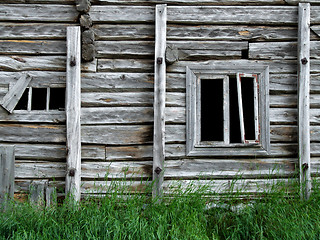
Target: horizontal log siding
{"x":117,"y":88}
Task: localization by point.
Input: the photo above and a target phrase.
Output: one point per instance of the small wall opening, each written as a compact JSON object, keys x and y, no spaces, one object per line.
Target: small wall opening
{"x":39,"y":99}
{"x":57,"y":98}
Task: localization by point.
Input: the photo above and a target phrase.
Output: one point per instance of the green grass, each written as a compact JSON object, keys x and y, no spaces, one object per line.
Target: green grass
{"x":276,"y":215}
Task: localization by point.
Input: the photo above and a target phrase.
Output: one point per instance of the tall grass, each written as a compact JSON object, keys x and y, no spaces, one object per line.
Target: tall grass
{"x":276,"y":215}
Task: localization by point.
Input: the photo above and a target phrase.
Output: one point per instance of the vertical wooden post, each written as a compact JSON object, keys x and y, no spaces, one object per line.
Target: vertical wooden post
{"x":159,"y":99}
{"x":6,"y":174}
{"x":73,"y":108}
{"x":303,"y":98}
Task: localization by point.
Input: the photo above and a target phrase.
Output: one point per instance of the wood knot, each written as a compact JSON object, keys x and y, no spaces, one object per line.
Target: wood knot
{"x":305,"y":166}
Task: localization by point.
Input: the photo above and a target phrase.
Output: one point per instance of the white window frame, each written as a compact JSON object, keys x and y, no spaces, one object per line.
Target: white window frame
{"x":261,"y":144}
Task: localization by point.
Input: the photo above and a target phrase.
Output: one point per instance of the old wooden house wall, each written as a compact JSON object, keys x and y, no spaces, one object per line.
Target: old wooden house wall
{"x":117,"y":88}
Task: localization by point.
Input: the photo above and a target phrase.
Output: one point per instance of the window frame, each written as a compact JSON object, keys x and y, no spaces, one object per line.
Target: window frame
{"x":194,"y":147}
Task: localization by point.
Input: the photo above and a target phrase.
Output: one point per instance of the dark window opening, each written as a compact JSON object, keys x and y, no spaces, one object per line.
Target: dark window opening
{"x":39,"y":99}
{"x":23,"y":102}
{"x":211,"y":110}
{"x":57,"y":98}
{"x":245,"y":54}
{"x":247,"y":89}
{"x":235,"y":132}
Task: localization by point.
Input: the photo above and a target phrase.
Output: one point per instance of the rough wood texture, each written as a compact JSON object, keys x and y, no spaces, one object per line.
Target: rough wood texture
{"x":38,"y":13}
{"x":85,"y":21}
{"x":7,"y":174}
{"x":73,"y":109}
{"x":40,"y":63}
{"x":304,"y":98}
{"x":37,"y":191}
{"x":11,"y":99}
{"x":83,"y":5}
{"x":159,"y":99}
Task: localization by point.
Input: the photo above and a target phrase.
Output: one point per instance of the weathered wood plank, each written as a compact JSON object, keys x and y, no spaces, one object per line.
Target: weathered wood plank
{"x":25,"y":31}
{"x":37,"y":191}
{"x":199,"y":32}
{"x":33,"y":47}
{"x":40,"y":63}
{"x":54,"y":152}
{"x":20,"y":116}
{"x":275,"y":66}
{"x":91,"y":99}
{"x":38,"y":13}
{"x":11,"y":99}
{"x":7,"y":174}
{"x":73,"y":112}
{"x":32,"y":133}
{"x":121,"y":65}
{"x":192,"y":2}
{"x":304,"y":98}
{"x":279,"y":50}
{"x":38,"y":170}
{"x":159,"y":99}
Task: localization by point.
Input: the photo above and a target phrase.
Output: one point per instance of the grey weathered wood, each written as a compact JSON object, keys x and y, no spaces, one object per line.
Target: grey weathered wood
{"x":121,"y":65}
{"x":40,"y":63}
{"x":73,"y":108}
{"x":51,"y":196}
{"x":159,"y":99}
{"x":304,"y":98}
{"x":38,"y":13}
{"x":279,"y":50}
{"x":316,"y":29}
{"x":37,"y":192}
{"x":172,"y":54}
{"x":25,"y":31}
{"x":192,"y":2}
{"x":7,"y":174}
{"x":32,"y":133}
{"x":240,"y":108}
{"x":32,"y":47}
{"x":11,"y":99}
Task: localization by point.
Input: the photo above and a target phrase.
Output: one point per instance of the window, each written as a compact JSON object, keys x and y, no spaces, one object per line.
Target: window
{"x":42,"y":99}
{"x":228,"y":110}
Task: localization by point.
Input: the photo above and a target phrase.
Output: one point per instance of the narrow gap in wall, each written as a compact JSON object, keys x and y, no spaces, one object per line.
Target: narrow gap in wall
{"x":23,"y":102}
{"x":235,"y":135}
{"x":211,"y":110}
{"x":247,"y":88}
{"x":39,"y":99}
{"x":245,"y":54}
{"x":57,"y":99}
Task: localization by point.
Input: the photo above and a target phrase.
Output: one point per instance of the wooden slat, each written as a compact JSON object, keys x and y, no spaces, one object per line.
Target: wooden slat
{"x":159,"y":99}
{"x":32,"y":133}
{"x":14,"y":31}
{"x":7,"y":174}
{"x":279,"y":50}
{"x":142,"y":65}
{"x":32,"y":47}
{"x":73,"y":111}
{"x":38,"y":13}
{"x":11,"y":99}
{"x":40,"y":63}
{"x":303,"y":98}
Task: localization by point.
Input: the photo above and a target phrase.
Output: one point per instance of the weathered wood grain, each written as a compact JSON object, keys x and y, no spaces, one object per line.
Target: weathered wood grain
{"x":7,"y":174}
{"x":11,"y":99}
{"x":121,"y":65}
{"x":191,"y":2}
{"x":33,"y":47}
{"x":37,"y":191}
{"x":37,"y":170}
{"x":199,"y":32}
{"x":303,"y":57}
{"x":73,"y":112}
{"x":54,"y":152}
{"x":38,"y":13}
{"x":40,"y":63}
{"x":24,"y":116}
{"x":32,"y":133}
{"x":26,"y":31}
{"x":279,"y":50}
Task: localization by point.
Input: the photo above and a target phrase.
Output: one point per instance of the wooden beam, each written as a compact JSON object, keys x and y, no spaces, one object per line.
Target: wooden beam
{"x":304,"y":98}
{"x":73,"y":108}
{"x":6,"y":174}
{"x":159,"y":99}
{"x":11,"y":99}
